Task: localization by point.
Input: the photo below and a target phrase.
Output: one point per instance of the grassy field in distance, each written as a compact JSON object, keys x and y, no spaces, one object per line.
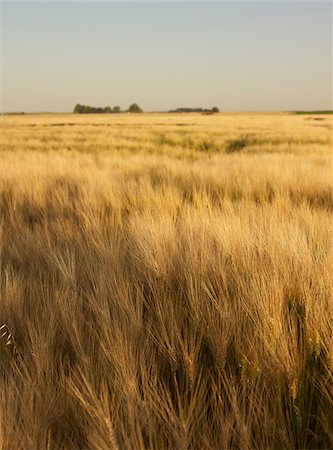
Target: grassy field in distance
{"x":166,"y":281}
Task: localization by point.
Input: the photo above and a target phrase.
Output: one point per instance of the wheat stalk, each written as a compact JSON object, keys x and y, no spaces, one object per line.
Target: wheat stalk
{"x":7,"y":341}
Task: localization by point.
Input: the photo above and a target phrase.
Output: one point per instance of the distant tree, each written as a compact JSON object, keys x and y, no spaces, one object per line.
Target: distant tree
{"x":135,"y":108}
{"x":195,"y":110}
{"x":86,"y":109}
{"x":77,"y":109}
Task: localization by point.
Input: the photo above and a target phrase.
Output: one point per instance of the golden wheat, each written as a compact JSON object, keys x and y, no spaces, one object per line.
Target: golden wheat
{"x":166,"y":282}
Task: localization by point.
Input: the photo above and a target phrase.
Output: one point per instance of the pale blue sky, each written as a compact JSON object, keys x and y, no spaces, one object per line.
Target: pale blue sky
{"x":244,"y":56}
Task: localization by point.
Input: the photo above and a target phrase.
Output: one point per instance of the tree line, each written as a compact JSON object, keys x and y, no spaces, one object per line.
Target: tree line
{"x":199,"y":110}
{"x":86,"y":109}
{"x":135,"y":108}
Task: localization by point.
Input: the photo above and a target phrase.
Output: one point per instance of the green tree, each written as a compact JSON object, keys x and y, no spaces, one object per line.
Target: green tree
{"x":135,"y":108}
{"x":78,"y":109}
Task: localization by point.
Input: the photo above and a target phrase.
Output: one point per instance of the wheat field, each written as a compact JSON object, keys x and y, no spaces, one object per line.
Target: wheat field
{"x":166,"y":281}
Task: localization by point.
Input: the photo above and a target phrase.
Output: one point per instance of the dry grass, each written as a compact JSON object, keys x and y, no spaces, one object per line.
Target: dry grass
{"x":156,"y":294}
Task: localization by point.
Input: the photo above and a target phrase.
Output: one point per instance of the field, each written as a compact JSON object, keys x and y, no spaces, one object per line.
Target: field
{"x":166,"y":281}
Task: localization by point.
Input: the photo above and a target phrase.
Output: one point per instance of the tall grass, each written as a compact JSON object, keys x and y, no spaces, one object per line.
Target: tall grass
{"x":156,"y":302}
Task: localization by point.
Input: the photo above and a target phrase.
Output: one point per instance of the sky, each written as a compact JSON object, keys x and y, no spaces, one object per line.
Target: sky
{"x":239,"y":56}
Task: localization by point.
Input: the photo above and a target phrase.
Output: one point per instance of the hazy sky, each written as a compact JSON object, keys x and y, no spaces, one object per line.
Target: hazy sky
{"x":235,"y":55}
